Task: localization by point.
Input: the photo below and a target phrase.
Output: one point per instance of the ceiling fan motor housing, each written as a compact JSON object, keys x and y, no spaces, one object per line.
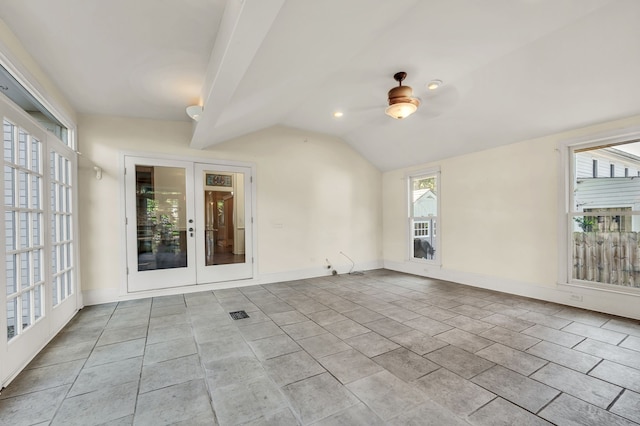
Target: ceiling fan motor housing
{"x":401,"y":102}
{"x":401,"y":94}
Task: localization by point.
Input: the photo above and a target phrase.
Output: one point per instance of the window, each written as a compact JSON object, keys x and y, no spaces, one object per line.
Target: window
{"x":423,"y":215}
{"x":604,"y":220}
{"x":17,"y":93}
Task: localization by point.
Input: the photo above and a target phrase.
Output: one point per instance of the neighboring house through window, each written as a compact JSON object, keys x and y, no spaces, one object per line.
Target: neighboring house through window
{"x":423,"y":215}
{"x":604,"y":220}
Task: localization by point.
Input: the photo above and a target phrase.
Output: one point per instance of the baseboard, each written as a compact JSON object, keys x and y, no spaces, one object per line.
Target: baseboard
{"x":109,"y":295}
{"x":625,"y":305}
{"x":99,"y":296}
{"x":314,"y":273}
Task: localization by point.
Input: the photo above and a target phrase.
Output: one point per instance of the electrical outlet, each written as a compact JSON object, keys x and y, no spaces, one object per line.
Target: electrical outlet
{"x":575,"y":297}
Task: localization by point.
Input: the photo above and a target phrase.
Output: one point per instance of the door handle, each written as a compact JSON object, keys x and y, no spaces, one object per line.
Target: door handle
{"x":191,"y":232}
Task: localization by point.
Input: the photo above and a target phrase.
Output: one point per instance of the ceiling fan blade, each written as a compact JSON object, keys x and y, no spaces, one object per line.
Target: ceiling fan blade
{"x":439,"y":102}
{"x":445,"y":97}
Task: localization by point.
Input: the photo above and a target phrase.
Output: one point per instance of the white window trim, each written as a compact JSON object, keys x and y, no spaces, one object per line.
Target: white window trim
{"x":408,"y":228}
{"x":566,"y":172}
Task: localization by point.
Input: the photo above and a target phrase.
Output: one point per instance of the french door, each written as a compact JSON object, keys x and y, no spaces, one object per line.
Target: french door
{"x":39,"y":265}
{"x":186,"y":223}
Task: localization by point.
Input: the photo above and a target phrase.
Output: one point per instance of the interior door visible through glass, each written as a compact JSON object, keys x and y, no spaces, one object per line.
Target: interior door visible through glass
{"x":223,"y":204}
{"x":223,"y":239}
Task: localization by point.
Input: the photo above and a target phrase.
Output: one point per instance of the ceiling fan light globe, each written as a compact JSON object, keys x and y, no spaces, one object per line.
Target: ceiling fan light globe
{"x":401,"y":110}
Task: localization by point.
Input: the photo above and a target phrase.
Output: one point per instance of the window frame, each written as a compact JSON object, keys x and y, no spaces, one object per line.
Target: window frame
{"x":433,"y":220}
{"x":566,"y":203}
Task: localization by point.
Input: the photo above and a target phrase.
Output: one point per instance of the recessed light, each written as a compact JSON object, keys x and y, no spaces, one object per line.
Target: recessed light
{"x":434,"y":84}
{"x":338,"y":114}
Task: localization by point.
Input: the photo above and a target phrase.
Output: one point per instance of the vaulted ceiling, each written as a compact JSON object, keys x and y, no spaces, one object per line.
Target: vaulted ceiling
{"x":512,"y":69}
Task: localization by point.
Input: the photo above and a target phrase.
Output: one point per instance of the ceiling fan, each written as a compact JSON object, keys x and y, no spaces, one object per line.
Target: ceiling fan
{"x":401,"y":101}
{"x":434,"y":101}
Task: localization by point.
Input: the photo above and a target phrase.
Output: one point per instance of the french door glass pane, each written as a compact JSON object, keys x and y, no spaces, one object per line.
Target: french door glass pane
{"x":23,"y":190}
{"x":38,"y":300}
{"x":37,"y":226}
{"x":36,"y":149}
{"x":61,"y":256}
{"x":9,"y":185}
{"x":37,"y":265}
{"x":10,"y":230}
{"x":26,"y":309}
{"x":61,"y":227}
{"x":8,"y":141}
{"x":35,"y":192}
{"x":224,"y":219}
{"x":12,"y":308}
{"x":22,"y":148}
{"x":160,"y":217}
{"x":24,"y":229}
{"x":67,"y":227}
{"x":11,"y":268}
{"x":25,"y":270}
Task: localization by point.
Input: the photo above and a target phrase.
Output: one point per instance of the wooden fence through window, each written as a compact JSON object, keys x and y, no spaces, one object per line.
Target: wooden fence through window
{"x":607,"y":257}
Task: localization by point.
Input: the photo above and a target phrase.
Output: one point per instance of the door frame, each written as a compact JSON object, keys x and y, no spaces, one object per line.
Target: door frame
{"x":54,"y":318}
{"x":180,"y":276}
{"x":250,"y":221}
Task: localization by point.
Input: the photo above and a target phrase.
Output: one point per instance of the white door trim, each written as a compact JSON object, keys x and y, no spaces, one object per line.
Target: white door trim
{"x":17,"y":353}
{"x":123,"y":293}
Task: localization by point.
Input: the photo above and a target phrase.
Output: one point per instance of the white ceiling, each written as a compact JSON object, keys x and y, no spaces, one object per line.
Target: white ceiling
{"x":513,"y":69}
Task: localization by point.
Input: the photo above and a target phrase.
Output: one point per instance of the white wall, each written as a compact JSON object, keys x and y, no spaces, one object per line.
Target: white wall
{"x":315,"y":197}
{"x":32,"y":75}
{"x":499,"y":222}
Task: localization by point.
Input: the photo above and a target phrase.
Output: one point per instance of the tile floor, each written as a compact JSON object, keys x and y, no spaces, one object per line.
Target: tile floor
{"x":382,"y":348}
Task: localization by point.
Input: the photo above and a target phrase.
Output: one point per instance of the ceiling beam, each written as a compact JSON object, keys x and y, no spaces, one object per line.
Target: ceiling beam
{"x":244,"y":26}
